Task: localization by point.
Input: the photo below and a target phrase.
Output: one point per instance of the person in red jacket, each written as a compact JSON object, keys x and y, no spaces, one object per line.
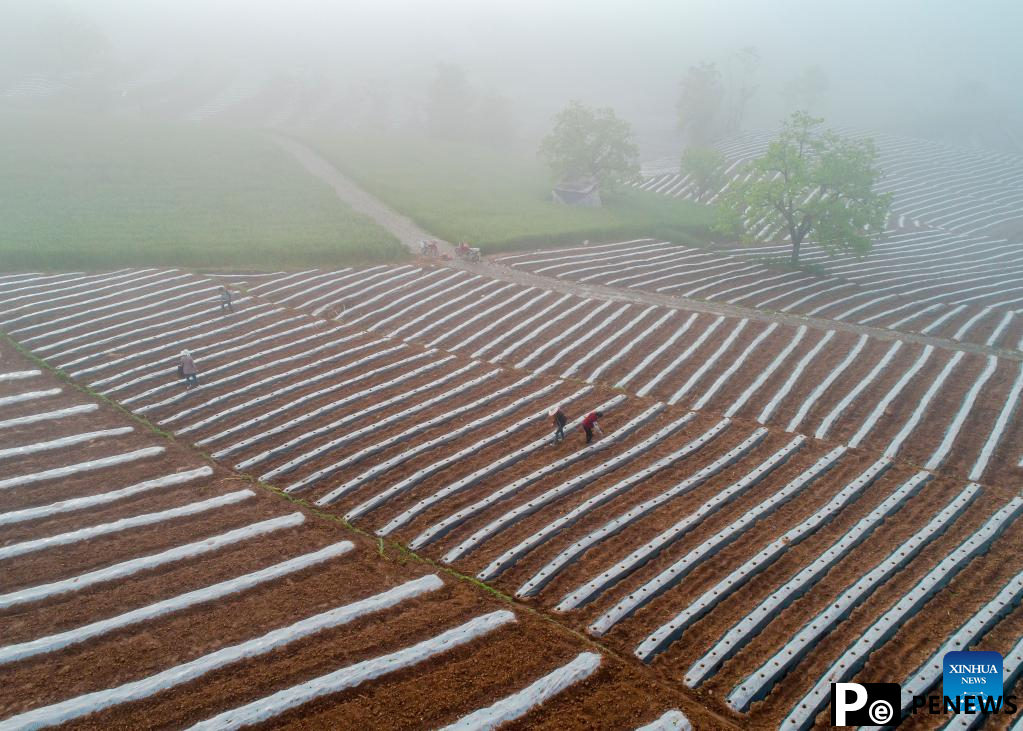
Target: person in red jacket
{"x":589,"y":424}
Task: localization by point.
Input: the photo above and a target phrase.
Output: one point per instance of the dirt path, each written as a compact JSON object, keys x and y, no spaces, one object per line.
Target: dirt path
{"x":402,"y":227}
{"x":410,"y":234}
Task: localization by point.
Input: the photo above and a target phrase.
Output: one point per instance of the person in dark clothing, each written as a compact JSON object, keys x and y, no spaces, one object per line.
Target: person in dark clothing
{"x":225,"y":301}
{"x":589,"y":424}
{"x":560,"y":420}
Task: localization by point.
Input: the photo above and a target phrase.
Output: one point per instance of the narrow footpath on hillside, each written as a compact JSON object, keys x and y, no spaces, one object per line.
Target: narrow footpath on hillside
{"x":410,"y":234}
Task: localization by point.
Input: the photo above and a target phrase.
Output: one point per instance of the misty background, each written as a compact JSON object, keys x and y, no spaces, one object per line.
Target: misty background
{"x":940,"y":69}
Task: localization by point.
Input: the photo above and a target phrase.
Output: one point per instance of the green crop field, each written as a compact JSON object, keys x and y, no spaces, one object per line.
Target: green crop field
{"x":497,"y":199}
{"x":89,"y":194}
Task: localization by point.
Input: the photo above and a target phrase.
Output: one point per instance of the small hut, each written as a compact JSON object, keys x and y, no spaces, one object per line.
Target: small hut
{"x":581,"y":192}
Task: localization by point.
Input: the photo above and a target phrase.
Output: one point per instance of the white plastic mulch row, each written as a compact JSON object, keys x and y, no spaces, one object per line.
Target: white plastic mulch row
{"x":743,"y":631}
{"x":418,"y":300}
{"x":62,"y":442}
{"x":47,"y":289}
{"x":322,"y":410}
{"x":81,"y":503}
{"x":671,"y":721}
{"x":628,"y":347}
{"x":969,"y":633}
{"x":661,"y":638}
{"x":425,"y":472}
{"x":605,"y":343}
{"x":794,"y":375}
{"x":760,"y":682}
{"x":447,"y":306}
{"x":861,"y":385}
{"x":73,"y":708}
{"x":358,"y":434}
{"x":998,"y":430}
{"x":80,"y":467}
{"x":262,"y":385}
{"x":476,"y":476}
{"x":354,"y":675}
{"x":533,"y":335}
{"x":82,"y":307}
{"x":592,"y":588}
{"x":722,"y":379}
{"x":90,"y":325}
{"x":582,"y":340}
{"x":621,"y":486}
{"x":144,"y":563}
{"x":332,"y":445}
{"x":241,"y":426}
{"x":19,"y":398}
{"x":78,"y":635}
{"x":920,"y":406}
{"x":818,"y":391}
{"x":162,"y":367}
{"x":952,"y":432}
{"x":522,"y":325}
{"x":118,"y":279}
{"x":566,"y":488}
{"x":136,"y":521}
{"x":178,"y":338}
{"x":803,"y":714}
{"x":461,"y":314}
{"x":710,"y":360}
{"x":137,"y":336}
{"x":467,"y":324}
{"x":19,"y":375}
{"x":48,"y":416}
{"x":282,"y":389}
{"x":519,"y":704}
{"x":623,"y":520}
{"x":643,"y":364}
{"x":209,"y":384}
{"x":368,"y":410}
{"x":572,"y":484}
{"x":882,"y":406}
{"x":521,"y":483}
{"x":767,"y":372}
{"x":680,"y":568}
{"x":514,"y":312}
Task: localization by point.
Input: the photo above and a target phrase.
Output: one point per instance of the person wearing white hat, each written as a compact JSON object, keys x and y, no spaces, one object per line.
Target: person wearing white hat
{"x":560,"y":420}
{"x":188,"y":370}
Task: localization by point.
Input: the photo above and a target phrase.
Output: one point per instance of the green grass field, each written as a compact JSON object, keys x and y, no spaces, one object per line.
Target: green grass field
{"x":89,"y":194}
{"x":496,"y":199}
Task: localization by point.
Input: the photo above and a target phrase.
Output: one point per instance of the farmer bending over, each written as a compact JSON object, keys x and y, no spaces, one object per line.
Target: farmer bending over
{"x":590,"y":423}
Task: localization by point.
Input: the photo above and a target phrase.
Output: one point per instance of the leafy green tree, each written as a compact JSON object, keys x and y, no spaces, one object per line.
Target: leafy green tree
{"x":591,"y":143}
{"x":812,"y":184}
{"x":699,"y":103}
{"x":706,"y":168}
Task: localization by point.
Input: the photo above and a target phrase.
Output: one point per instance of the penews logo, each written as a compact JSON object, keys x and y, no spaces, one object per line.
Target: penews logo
{"x":975,"y":674}
{"x":864,"y":704}
{"x":971,"y":687}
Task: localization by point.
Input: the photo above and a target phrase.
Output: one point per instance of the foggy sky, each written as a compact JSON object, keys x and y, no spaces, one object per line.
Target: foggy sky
{"x":887,"y":60}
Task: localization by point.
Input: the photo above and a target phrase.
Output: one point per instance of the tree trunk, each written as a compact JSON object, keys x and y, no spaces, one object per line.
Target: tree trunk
{"x":795,"y":252}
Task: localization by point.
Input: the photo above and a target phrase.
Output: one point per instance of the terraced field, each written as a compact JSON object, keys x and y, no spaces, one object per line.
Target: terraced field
{"x":145,"y":585}
{"x":949,"y":263}
{"x":770,"y":508}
